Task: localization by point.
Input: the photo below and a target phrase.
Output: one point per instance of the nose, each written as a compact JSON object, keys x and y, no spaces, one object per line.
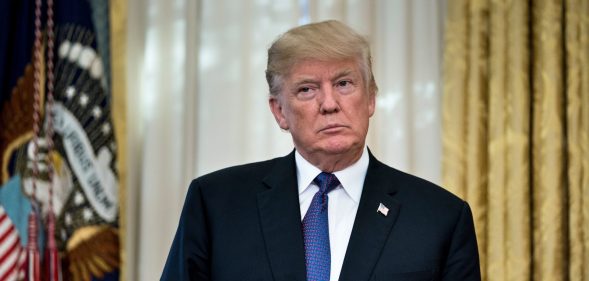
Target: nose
{"x":329,"y":101}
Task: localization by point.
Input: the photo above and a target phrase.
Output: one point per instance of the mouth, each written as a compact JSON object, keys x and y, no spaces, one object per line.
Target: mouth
{"x":332,"y":128}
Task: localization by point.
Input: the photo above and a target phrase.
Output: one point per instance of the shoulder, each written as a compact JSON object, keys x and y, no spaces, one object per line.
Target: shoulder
{"x":246,"y":177}
{"x":417,"y":193}
{"x":239,"y":172}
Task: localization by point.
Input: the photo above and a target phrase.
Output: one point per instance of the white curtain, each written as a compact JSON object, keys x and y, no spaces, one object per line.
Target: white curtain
{"x":198,"y":97}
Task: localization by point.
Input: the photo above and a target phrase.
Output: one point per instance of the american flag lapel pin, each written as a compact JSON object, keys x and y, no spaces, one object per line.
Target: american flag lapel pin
{"x":382,"y":209}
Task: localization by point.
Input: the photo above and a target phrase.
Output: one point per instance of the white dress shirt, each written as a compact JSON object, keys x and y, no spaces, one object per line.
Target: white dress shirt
{"x":342,"y":204}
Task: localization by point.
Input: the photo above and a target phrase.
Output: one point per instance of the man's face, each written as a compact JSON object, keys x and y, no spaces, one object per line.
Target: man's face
{"x":325,"y":106}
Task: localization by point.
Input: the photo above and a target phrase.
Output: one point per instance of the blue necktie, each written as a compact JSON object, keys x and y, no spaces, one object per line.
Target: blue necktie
{"x":316,"y":230}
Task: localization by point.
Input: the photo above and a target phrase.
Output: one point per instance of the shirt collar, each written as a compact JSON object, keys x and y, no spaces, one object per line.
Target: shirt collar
{"x":350,"y":178}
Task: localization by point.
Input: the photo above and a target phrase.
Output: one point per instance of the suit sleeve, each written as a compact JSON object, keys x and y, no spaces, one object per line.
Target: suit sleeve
{"x":189,"y":255}
{"x":463,"y":257}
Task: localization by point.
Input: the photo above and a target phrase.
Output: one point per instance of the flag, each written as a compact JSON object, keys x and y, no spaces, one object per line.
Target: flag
{"x":84,"y":184}
{"x":16,"y":208}
{"x":87,"y":222}
{"x":382,"y":209}
{"x":12,"y":253}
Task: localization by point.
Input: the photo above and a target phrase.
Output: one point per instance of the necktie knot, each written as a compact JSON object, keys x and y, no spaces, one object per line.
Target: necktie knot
{"x":326,"y":182}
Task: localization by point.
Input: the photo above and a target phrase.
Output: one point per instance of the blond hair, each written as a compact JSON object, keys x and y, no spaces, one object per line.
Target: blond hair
{"x":327,"y":40}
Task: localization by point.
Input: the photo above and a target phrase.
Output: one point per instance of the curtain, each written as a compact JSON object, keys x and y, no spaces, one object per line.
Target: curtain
{"x":516,"y":133}
{"x":198,"y":99}
{"x":162,"y":61}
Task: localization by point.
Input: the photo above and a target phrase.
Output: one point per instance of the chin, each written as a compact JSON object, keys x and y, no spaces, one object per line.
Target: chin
{"x":339,"y":147}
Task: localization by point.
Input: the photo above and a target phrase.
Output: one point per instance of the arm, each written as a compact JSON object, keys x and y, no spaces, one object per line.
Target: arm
{"x":463,"y":257}
{"x":189,"y":255}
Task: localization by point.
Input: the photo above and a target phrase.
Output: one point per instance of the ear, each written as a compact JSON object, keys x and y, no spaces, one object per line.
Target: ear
{"x":276,"y":108}
{"x":371,"y":103}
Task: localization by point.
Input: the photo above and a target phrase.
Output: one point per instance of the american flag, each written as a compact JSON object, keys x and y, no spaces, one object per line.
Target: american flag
{"x":382,"y":209}
{"x":12,"y":254}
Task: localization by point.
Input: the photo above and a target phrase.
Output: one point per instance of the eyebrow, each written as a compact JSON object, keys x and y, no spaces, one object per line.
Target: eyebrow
{"x":343,"y":73}
{"x":305,"y":81}
{"x":337,"y":76}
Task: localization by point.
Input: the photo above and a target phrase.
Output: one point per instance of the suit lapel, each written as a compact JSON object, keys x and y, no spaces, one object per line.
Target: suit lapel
{"x":280,"y":219}
{"x":371,"y":228}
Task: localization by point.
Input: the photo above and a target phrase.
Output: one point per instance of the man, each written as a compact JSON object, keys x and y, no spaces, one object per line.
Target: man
{"x":329,"y":210}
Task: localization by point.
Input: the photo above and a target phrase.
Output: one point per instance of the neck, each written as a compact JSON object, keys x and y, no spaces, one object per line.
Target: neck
{"x":330,"y":163}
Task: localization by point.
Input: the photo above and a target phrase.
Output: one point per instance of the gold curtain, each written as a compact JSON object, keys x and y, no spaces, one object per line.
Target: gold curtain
{"x":118,"y":38}
{"x":516,"y":133}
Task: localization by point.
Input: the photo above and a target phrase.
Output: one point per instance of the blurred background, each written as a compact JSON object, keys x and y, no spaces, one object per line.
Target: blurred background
{"x":489,"y":99}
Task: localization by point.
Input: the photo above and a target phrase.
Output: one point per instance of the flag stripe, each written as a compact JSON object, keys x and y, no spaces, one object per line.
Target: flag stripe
{"x":5,"y":222}
{"x":9,"y":256}
{"x":10,"y":272}
{"x":11,"y":252}
{"x":10,"y":276}
{"x":7,"y":242}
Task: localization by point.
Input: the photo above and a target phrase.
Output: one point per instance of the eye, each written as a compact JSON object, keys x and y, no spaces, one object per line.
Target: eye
{"x":304,"y":89}
{"x":343,"y":83}
{"x":305,"y":92}
{"x":344,"y":86}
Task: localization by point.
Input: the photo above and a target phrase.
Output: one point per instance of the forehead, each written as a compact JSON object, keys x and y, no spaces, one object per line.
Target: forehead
{"x":323,"y":69}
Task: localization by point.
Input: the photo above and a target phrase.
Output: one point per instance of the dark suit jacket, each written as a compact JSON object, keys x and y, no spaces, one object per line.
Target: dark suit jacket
{"x":244,"y":223}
